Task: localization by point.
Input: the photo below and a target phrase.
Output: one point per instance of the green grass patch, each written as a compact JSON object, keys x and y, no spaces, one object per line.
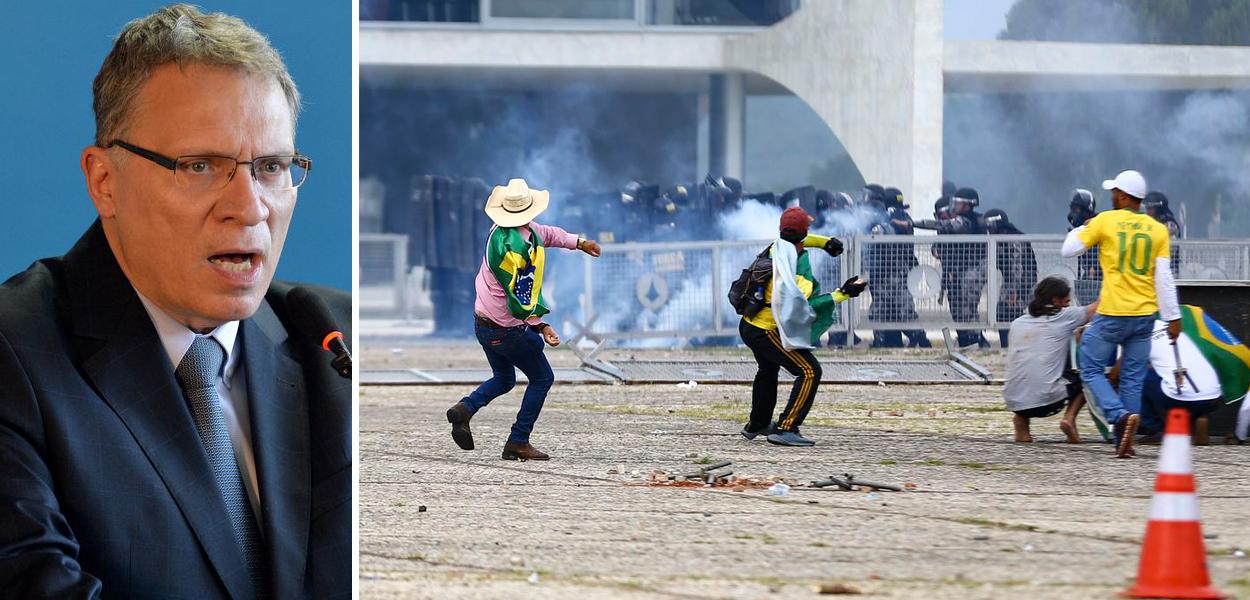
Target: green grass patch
{"x":888,"y":462}
{"x":932,"y":462}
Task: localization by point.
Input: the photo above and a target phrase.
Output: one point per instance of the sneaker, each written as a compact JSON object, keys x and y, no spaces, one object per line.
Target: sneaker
{"x":1124,"y":430}
{"x":750,"y":435}
{"x":789,"y":438}
{"x":458,"y":415}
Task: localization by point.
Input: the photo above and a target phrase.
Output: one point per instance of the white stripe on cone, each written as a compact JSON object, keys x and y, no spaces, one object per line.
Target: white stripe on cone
{"x":1174,"y":459}
{"x":1174,"y":506}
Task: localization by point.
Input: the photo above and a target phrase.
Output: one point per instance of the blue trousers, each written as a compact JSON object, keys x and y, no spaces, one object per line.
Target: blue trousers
{"x":1155,"y":404}
{"x":1098,"y":347}
{"x":508,"y":349}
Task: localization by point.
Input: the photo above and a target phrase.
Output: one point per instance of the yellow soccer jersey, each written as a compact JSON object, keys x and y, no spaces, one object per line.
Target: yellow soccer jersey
{"x":1128,"y":244}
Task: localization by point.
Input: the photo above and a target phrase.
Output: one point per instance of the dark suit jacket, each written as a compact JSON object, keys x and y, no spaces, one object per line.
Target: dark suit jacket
{"x":105,"y":489}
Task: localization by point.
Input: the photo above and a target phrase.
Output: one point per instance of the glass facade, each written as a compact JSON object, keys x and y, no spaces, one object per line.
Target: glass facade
{"x":723,"y":13}
{"x":430,"y":11}
{"x":563,"y":9}
{"x":642,"y":13}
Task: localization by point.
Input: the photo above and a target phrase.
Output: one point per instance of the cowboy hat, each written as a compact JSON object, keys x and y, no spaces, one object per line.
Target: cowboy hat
{"x":515,"y":204}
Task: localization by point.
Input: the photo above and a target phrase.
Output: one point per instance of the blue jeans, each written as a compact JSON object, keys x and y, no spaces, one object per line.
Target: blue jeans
{"x":1098,"y":347}
{"x":1155,"y":404}
{"x":508,"y":349}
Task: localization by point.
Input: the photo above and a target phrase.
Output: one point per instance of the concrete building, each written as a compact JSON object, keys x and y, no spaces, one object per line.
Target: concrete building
{"x":880,"y":95}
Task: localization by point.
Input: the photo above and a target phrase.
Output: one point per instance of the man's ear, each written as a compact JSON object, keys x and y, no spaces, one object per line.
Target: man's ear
{"x":100,"y":171}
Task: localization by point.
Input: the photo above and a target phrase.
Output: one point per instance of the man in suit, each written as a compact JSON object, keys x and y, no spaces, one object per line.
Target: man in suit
{"x":168,"y":429}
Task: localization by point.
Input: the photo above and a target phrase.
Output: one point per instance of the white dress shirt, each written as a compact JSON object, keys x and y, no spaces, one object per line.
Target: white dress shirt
{"x":231,"y":388}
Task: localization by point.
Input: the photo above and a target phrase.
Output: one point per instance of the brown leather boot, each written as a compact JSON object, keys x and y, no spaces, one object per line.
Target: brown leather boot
{"x":459,"y":415}
{"x":522,"y":451}
{"x":1202,"y":435}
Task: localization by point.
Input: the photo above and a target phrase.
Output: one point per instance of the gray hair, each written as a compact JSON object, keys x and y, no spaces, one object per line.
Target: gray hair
{"x":182,"y":34}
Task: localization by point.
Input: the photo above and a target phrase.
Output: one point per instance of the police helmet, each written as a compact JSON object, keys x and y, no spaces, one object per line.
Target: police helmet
{"x":1155,"y":202}
{"x":894,"y":197}
{"x":968,"y":195}
{"x":1084,"y":199}
{"x":996,"y":220}
{"x":873,"y":191}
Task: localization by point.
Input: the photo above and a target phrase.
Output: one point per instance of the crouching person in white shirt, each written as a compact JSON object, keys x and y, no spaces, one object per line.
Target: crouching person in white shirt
{"x":1197,"y":389}
{"x":1040,"y":380}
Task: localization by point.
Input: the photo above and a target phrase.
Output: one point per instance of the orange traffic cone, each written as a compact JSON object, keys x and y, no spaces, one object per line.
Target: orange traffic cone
{"x":1173,"y":558}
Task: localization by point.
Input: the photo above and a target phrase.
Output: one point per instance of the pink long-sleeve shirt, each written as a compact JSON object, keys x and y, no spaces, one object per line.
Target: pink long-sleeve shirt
{"x":492,"y":300}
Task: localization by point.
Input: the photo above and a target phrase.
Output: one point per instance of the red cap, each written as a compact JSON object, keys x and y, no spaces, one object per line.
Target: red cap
{"x":794,"y":220}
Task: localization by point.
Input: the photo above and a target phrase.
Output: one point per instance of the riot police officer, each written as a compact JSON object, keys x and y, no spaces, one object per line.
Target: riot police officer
{"x":887,"y":265}
{"x":1156,"y":205}
{"x":1088,"y":282}
{"x":1018,"y":265}
{"x":964,"y":262}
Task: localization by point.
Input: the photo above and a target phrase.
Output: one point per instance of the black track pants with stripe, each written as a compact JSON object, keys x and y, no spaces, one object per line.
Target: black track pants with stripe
{"x":772,"y":357}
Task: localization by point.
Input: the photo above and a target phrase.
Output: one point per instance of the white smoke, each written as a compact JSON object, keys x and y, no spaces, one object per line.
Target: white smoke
{"x":752,"y":220}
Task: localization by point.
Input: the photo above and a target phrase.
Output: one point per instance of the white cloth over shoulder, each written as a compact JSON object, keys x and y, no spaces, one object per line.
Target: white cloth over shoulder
{"x":793,"y":314}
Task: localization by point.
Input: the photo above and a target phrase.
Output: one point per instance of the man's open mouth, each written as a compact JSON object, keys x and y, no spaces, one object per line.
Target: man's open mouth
{"x":236,"y":262}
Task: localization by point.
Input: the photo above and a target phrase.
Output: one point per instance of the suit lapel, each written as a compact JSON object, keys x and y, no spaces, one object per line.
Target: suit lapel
{"x":279,"y":418}
{"x":124,"y":360}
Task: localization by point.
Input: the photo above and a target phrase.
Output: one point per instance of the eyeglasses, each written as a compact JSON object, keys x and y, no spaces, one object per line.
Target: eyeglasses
{"x":203,"y":173}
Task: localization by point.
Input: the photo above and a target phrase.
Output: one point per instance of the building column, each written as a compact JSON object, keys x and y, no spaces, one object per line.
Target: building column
{"x":727,"y":124}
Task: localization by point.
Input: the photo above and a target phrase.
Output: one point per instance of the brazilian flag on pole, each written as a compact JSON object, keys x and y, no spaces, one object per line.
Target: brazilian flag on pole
{"x":1229,"y":357}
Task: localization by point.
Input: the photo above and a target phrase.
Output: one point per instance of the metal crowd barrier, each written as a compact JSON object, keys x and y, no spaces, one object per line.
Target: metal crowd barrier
{"x":383,"y":274}
{"x":678,"y":290}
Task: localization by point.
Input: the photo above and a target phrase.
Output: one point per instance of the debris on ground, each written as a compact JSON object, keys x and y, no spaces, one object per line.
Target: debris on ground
{"x":835,"y":589}
{"x":848,"y":483}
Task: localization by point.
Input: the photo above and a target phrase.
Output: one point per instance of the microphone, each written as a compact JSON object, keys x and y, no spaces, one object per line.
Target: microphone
{"x":309,"y":312}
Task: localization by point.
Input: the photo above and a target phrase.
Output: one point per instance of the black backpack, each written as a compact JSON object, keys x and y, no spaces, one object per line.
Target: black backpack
{"x":742,"y":294}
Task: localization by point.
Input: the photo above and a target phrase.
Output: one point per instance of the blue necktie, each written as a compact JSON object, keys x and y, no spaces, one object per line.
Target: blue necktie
{"x":197,"y":374}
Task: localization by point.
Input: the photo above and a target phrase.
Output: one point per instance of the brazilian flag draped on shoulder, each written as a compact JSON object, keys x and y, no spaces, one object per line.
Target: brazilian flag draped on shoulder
{"x":518,"y":265}
{"x":1229,"y":357}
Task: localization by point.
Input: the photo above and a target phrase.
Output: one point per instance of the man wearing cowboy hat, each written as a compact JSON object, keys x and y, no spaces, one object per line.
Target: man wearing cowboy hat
{"x":508,"y":313}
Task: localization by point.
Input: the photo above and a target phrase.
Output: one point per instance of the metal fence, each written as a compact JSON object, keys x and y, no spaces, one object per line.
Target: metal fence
{"x":383,"y":274}
{"x":656,"y":292}
{"x":641,"y":291}
{"x":672,"y":289}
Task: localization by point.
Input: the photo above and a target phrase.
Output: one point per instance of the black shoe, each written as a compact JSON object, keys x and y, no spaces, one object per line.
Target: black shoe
{"x":459,"y":415}
{"x":750,"y":435}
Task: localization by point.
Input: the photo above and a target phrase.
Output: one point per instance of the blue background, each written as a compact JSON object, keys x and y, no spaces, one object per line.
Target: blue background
{"x":51,"y":52}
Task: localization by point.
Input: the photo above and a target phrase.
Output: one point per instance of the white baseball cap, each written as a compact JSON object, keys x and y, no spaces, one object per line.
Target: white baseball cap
{"x":1129,"y":182}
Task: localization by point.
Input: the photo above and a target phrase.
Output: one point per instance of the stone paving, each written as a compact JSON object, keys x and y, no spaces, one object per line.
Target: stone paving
{"x":983,"y":518}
